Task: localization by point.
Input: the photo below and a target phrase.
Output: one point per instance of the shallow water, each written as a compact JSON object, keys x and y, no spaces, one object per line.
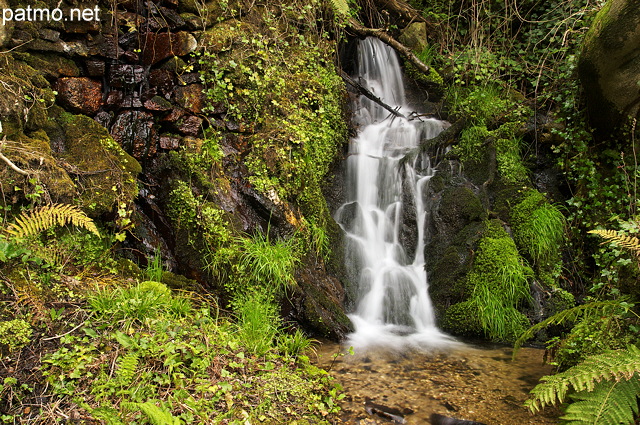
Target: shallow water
{"x":474,"y":382}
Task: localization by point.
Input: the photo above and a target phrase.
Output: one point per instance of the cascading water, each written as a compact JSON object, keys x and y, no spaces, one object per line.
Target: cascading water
{"x":393,"y":306}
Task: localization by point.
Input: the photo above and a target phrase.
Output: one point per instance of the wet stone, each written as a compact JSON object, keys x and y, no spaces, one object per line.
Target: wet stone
{"x":190,"y":125}
{"x":158,"y":103}
{"x":114,"y":99}
{"x":169,"y":142}
{"x":162,"y":79}
{"x":191,"y":97}
{"x":157,"y":47}
{"x":95,"y":68}
{"x":104,"y":118}
{"x":134,"y":131}
{"x":49,"y":34}
{"x":80,"y":94}
{"x":126,"y":75}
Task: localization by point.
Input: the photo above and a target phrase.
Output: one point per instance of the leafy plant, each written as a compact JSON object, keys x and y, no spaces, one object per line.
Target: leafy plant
{"x":46,"y":217}
{"x":258,"y":322}
{"x":607,"y":386}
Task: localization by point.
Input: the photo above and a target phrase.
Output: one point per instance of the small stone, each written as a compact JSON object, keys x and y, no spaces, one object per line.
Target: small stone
{"x":49,"y":34}
{"x":126,"y":75}
{"x":158,"y":103}
{"x":95,"y":68}
{"x":162,"y":79}
{"x":80,"y":94}
{"x":169,"y":142}
{"x":190,"y":125}
{"x":157,"y":47}
{"x":191,"y":97}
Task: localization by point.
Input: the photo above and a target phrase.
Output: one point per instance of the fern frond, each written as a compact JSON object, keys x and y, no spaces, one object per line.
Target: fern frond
{"x":127,"y":368}
{"x":341,"y":7}
{"x":48,"y":216}
{"x":613,"y":365}
{"x":156,"y":415}
{"x":568,"y":315}
{"x":108,"y":414}
{"x":610,"y":403}
{"x":629,"y":242}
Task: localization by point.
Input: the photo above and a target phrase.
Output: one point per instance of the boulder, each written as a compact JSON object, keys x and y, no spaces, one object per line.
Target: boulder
{"x":80,"y":94}
{"x":609,"y":65}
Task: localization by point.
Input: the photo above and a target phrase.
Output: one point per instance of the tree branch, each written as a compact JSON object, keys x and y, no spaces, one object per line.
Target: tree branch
{"x":386,"y":38}
{"x":368,"y":94}
{"x":13,"y":166}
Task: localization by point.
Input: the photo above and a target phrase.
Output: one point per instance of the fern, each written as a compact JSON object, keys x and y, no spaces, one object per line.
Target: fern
{"x":108,"y":414}
{"x":48,"y":216}
{"x":156,"y":415}
{"x":629,"y":242}
{"x":590,"y":376}
{"x":341,"y":7}
{"x":569,"y":315}
{"x":127,"y":368}
{"x":610,"y":403}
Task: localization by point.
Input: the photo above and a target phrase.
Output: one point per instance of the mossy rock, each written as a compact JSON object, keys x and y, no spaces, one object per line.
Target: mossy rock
{"x":105,"y":173}
{"x":51,"y":65}
{"x":462,"y":319}
{"x":25,"y":95}
{"x":460,"y":205}
{"x":179,"y":282}
{"x":224,"y":35}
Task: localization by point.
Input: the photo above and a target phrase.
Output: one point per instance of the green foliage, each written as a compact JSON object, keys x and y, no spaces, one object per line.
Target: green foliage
{"x":146,"y":300}
{"x":258,"y":322}
{"x":154,"y":270}
{"x":606,"y":386}
{"x":295,"y":344}
{"x":267,"y":265}
{"x":498,"y":284}
{"x":15,"y":334}
{"x":539,"y":227}
{"x":46,"y":217}
{"x":185,"y":368}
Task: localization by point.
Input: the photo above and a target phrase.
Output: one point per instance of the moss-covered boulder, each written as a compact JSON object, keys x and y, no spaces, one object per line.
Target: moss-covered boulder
{"x":497,"y":288}
{"x":104,"y":173}
{"x":609,"y":64}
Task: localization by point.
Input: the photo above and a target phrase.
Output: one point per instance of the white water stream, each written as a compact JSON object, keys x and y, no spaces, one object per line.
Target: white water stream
{"x":393,"y":305}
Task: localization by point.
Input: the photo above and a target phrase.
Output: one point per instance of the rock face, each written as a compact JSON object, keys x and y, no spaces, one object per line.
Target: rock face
{"x":609,"y":65}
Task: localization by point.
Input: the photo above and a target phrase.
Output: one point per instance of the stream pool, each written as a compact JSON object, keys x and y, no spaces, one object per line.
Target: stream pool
{"x":475,"y":382}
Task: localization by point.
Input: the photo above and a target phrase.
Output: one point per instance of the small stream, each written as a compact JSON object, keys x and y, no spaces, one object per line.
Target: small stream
{"x":475,"y":382}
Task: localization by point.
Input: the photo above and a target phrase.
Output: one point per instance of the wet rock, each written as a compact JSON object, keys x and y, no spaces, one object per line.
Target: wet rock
{"x":171,"y":17}
{"x":80,"y":94}
{"x":169,"y":142}
{"x":317,"y":303}
{"x":134,"y":131}
{"x":114,"y":99}
{"x":104,"y":118}
{"x":95,"y":68}
{"x":190,"y":97}
{"x":190,"y":125}
{"x":131,"y":101}
{"x":162,"y":79}
{"x":158,"y":103}
{"x":121,"y":75}
{"x":105,"y":45}
{"x":157,"y":47}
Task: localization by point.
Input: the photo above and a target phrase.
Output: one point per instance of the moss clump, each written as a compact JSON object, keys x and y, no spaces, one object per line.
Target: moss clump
{"x":538,"y":228}
{"x":463,"y":319}
{"x":104,"y":172}
{"x":498,"y":285}
{"x":14,"y":334}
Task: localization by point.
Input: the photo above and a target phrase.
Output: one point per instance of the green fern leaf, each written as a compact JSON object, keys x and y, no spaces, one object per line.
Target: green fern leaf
{"x":341,"y":7}
{"x":156,"y":415}
{"x":108,"y":414}
{"x":629,"y":242}
{"x":610,"y":403}
{"x":568,"y":315}
{"x":48,"y":216}
{"x":127,"y":369}
{"x":613,"y":365}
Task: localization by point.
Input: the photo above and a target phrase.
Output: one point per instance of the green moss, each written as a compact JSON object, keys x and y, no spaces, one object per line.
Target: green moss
{"x":106,"y":176}
{"x":538,"y":228}
{"x":463,"y":319}
{"x":14,"y":334}
{"x":497,"y":284}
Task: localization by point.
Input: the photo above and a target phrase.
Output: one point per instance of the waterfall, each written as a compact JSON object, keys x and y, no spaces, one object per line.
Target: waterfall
{"x":393,"y":305}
